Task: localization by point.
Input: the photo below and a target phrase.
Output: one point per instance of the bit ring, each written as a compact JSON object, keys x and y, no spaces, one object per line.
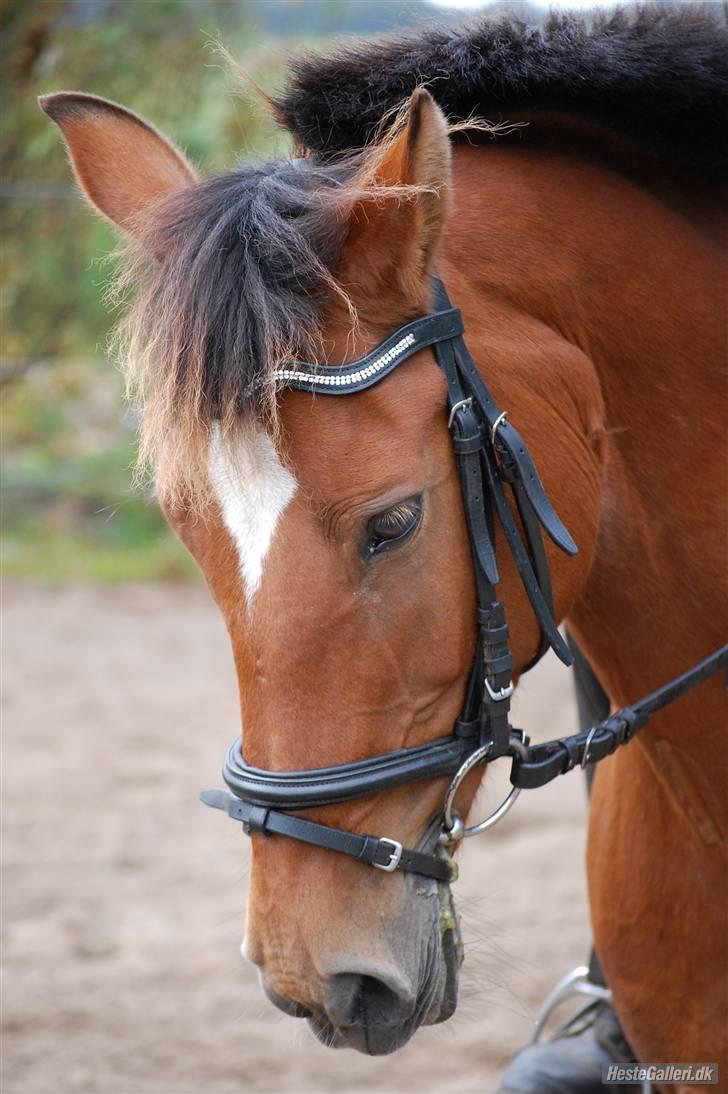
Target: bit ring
{"x":453,"y":828}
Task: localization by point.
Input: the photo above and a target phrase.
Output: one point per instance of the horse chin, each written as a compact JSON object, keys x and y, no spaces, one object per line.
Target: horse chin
{"x":375,"y":1040}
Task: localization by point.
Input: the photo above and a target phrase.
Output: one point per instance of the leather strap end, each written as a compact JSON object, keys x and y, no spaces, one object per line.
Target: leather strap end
{"x":217,"y":799}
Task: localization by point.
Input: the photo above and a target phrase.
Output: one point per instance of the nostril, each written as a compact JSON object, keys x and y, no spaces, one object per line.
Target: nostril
{"x":380,"y":1003}
{"x":366,"y":1001}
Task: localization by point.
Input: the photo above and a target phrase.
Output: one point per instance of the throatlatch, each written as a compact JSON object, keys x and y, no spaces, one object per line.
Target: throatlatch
{"x":491,"y":455}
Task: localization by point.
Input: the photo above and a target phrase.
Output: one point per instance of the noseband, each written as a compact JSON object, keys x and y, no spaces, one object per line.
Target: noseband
{"x":491,"y":457}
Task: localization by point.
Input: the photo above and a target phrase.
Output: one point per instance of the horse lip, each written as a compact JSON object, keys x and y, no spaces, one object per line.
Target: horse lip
{"x":378,"y":1039}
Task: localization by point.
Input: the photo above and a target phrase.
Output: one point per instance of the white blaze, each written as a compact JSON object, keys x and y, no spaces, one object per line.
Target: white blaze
{"x":252,"y":488}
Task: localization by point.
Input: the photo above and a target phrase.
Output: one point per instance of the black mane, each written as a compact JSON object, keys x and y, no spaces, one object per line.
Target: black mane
{"x":658,"y":73}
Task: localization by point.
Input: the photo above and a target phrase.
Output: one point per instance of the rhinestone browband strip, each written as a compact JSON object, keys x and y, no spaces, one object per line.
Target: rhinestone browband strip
{"x":369,"y":370}
{"x":376,"y":366}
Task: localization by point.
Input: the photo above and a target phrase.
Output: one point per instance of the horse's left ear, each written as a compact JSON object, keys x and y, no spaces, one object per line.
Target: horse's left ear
{"x":397,"y":235}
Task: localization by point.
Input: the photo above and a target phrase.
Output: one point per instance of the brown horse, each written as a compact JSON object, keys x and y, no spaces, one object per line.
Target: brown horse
{"x":584,"y":252}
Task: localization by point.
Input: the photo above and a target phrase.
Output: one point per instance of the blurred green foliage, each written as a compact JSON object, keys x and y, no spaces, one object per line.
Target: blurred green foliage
{"x":70,"y":511}
{"x":155,"y":56}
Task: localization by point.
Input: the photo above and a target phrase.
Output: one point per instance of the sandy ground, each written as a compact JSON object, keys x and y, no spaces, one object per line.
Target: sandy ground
{"x":123,"y":898}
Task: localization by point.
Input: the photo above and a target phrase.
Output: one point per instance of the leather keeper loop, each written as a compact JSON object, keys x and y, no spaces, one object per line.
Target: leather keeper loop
{"x":492,"y":616}
{"x":631,"y":724}
{"x":573,"y":749}
{"x":507,"y":467}
{"x":618,"y":726}
{"x":496,"y":665}
{"x":494,"y":636}
{"x":255,"y":820}
{"x":465,"y":445}
{"x":369,"y":849}
{"x":470,"y":728}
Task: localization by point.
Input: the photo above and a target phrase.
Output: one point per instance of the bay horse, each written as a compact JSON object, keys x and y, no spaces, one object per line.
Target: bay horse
{"x":584,"y":246}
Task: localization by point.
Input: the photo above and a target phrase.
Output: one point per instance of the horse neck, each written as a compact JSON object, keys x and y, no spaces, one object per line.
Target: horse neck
{"x":633,"y":281}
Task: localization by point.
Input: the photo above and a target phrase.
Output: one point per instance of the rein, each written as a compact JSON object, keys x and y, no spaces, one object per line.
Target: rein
{"x":491,"y":456}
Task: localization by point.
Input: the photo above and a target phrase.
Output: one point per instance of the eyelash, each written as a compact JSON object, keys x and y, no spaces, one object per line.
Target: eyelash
{"x":405,"y":520}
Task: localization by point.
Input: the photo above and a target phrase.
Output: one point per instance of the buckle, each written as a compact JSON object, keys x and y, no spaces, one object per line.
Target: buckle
{"x":394,"y":855}
{"x":462,"y":405}
{"x":502,"y":417}
{"x":501,"y":694}
{"x":587,"y":746}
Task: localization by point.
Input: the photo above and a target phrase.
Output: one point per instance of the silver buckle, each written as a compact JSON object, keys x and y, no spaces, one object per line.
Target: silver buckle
{"x":502,"y":693}
{"x":587,"y":746}
{"x":502,"y":417}
{"x":394,"y":857}
{"x":459,"y":406}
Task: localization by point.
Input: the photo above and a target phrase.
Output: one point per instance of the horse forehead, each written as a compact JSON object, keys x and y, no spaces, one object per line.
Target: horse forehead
{"x":252,"y":488}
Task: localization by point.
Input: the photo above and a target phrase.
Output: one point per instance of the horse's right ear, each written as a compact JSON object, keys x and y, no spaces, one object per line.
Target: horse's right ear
{"x":395,"y":229}
{"x":122,"y":163}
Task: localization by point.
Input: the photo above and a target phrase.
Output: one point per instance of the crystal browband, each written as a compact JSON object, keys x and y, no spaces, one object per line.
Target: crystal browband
{"x":370,"y":369}
{"x":381,"y":362}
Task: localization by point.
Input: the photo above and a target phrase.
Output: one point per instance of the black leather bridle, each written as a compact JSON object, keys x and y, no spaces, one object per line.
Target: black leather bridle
{"x":491,"y":456}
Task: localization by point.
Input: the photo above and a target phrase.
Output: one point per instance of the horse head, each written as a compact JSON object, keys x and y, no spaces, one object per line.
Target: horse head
{"x":331,"y":532}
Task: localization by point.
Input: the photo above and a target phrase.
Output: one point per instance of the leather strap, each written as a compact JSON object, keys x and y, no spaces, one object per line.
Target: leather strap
{"x":386,"y":854}
{"x":506,"y":438}
{"x":543,"y":762}
{"x":529,"y":580}
{"x":504,"y":458}
{"x":539,"y":565}
{"x":467,"y":442}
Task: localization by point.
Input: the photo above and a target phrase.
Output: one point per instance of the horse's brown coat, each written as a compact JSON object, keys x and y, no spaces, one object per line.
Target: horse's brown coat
{"x":592,"y":305}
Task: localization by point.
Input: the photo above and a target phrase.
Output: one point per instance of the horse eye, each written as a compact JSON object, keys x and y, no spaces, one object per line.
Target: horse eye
{"x":392,"y":527}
